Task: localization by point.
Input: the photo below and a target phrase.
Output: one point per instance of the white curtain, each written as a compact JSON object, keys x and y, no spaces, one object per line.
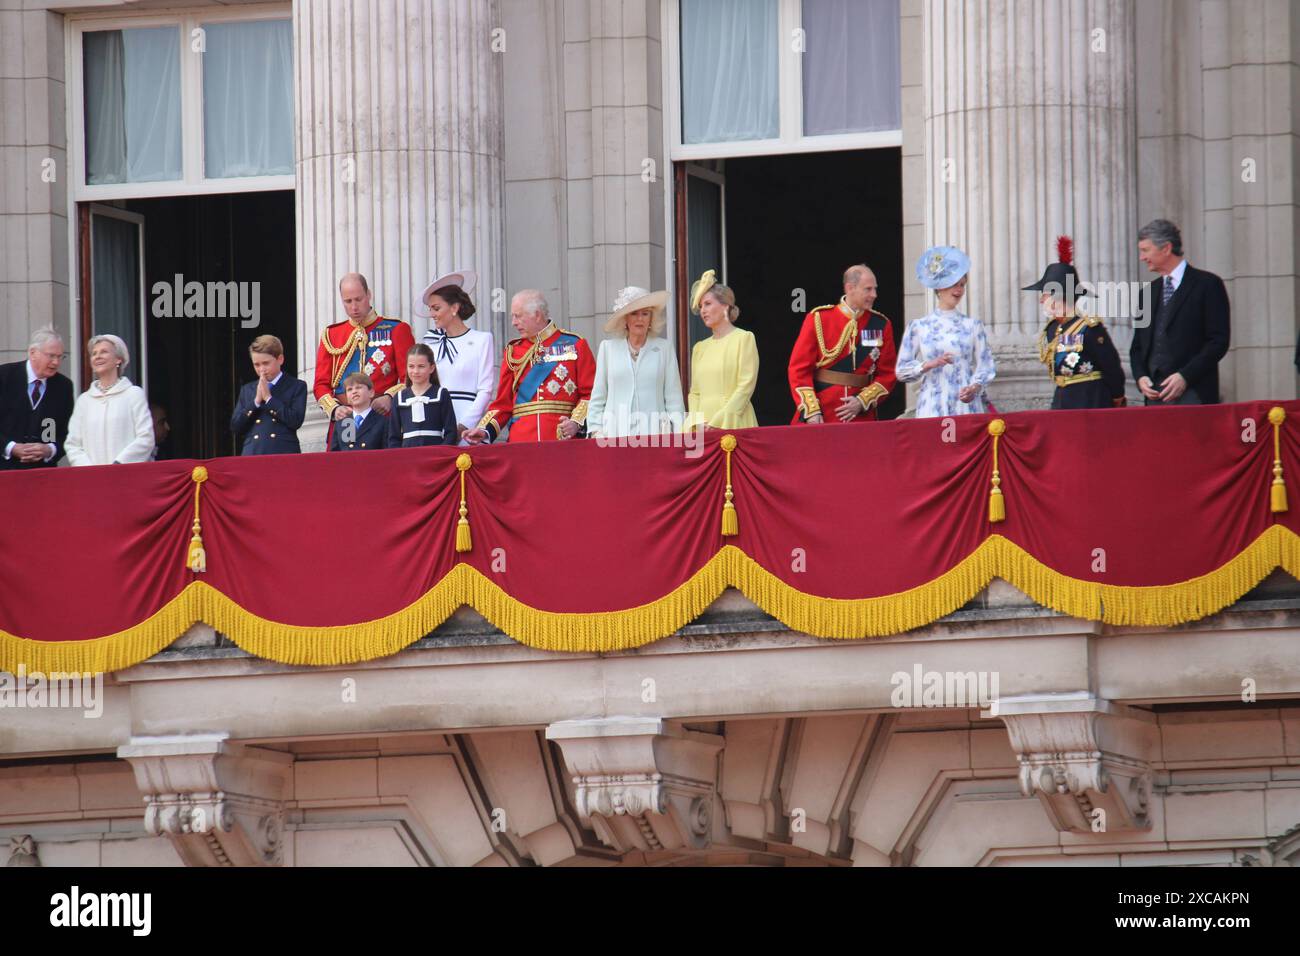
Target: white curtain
{"x":132,"y":90}
{"x":851,"y":76}
{"x":105,"y":134}
{"x":153,"y":103}
{"x":248,"y":99}
{"x":729,"y":70}
{"x":115,"y":267}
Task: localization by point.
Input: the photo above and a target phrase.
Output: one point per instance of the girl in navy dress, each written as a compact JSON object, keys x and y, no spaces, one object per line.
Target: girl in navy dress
{"x":423,"y":413}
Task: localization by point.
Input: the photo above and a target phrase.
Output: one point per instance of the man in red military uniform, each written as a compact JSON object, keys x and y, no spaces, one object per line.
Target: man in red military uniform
{"x":546,"y":379}
{"x":367,"y":342}
{"x":842,"y":366}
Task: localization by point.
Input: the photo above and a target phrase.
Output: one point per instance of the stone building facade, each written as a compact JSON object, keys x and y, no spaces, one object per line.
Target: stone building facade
{"x":538,"y":142}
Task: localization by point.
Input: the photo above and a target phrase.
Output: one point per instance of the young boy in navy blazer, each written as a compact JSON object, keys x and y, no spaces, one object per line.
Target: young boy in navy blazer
{"x":366,"y":429}
{"x":271,"y":409}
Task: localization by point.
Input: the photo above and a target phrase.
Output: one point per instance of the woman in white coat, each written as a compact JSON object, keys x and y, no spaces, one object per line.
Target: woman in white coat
{"x":638,"y":390}
{"x":111,"y":423}
{"x":466,"y":358}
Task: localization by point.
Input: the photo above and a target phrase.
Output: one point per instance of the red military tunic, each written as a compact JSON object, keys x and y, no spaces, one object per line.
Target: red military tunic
{"x":378,"y":346}
{"x":543,"y":381}
{"x":838,"y":356}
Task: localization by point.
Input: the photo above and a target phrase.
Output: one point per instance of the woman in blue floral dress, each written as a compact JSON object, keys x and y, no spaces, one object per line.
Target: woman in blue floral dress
{"x":947,"y":351}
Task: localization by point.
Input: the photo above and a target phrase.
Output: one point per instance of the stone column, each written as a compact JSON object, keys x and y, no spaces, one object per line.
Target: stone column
{"x":1030,"y":133}
{"x":399,"y":156}
{"x":585,"y":167}
{"x":34,"y":269}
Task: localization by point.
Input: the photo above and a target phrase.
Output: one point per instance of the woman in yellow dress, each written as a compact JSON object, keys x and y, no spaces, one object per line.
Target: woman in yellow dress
{"x":724,"y":367}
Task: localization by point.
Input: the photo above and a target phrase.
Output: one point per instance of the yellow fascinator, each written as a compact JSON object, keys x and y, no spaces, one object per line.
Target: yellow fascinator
{"x":701,"y":287}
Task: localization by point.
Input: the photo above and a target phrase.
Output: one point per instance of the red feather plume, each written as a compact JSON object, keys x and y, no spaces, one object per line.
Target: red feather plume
{"x":1064,"y":250}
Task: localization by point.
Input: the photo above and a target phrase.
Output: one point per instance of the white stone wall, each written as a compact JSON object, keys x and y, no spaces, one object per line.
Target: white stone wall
{"x":398,"y":180}
{"x":915,"y":788}
{"x":916,"y":300}
{"x":583,"y":112}
{"x":1217,"y":87}
{"x":34,"y":268}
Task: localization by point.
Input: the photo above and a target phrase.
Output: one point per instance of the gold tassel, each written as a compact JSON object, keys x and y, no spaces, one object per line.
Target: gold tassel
{"x":463,"y":540}
{"x":997,"y":504}
{"x":196,"y":559}
{"x":1276,"y":415}
{"x":730,"y":520}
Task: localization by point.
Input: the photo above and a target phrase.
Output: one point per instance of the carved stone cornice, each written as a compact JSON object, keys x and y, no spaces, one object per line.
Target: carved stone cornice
{"x":640,"y":782}
{"x":220,"y":803}
{"x":22,"y":851}
{"x":1088,"y":760}
{"x":1285,"y":850}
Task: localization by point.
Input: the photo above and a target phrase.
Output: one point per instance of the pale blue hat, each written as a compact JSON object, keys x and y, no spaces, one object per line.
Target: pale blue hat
{"x":941,"y":267}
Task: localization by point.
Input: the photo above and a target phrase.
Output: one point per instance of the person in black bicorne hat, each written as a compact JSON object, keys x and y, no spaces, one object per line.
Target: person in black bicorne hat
{"x":1075,"y":346}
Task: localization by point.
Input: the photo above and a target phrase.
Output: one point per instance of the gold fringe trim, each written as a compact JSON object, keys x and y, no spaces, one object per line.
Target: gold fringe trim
{"x":113,"y":652}
{"x":587,"y":632}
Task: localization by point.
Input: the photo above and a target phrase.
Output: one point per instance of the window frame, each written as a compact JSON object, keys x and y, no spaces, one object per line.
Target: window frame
{"x":789,"y":101}
{"x":193,"y":182}
{"x":141,"y":361}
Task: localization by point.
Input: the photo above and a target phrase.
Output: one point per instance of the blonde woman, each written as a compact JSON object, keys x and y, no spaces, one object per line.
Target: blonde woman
{"x":637,"y":389}
{"x":724,"y":367}
{"x":111,"y":423}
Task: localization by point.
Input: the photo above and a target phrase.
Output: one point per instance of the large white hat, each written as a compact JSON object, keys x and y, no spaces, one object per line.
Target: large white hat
{"x":466,"y":279}
{"x":633,"y":299}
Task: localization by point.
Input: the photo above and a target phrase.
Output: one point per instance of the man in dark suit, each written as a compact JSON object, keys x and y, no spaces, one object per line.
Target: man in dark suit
{"x":35,"y":406}
{"x":1175,"y":353}
{"x":271,"y":409}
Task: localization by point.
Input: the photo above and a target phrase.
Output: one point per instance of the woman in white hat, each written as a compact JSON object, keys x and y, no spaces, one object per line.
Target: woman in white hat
{"x":637,"y":389}
{"x":946,"y":351}
{"x":466,"y":358}
{"x":111,"y":423}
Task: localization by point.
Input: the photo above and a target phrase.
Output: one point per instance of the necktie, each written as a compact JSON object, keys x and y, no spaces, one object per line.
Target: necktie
{"x":1168,"y":292}
{"x":36,"y":393}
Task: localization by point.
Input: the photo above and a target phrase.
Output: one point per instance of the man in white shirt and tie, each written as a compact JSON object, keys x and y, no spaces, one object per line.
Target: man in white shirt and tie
{"x":35,"y":405}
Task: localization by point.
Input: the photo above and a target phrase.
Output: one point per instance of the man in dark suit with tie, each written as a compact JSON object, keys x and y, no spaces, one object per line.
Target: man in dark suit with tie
{"x":35,"y":406}
{"x":1175,"y":354}
{"x":271,"y":409}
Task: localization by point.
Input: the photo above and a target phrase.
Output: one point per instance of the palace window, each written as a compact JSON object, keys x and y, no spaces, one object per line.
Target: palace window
{"x":748,"y":77}
{"x":182,"y":104}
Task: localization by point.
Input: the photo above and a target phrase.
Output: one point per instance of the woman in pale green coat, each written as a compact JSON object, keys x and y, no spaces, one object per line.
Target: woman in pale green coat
{"x":638,"y":390}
